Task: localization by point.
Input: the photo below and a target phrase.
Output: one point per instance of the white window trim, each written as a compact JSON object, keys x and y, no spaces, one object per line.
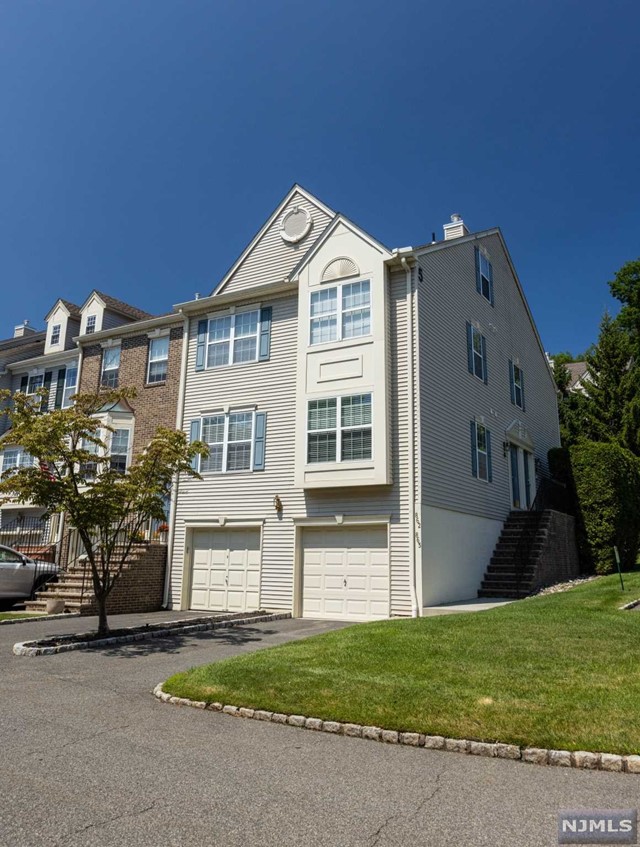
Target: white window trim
{"x":517,"y":386}
{"x":232,"y":313}
{"x":55,"y":327}
{"x":103,"y":369}
{"x":67,"y":386}
{"x":225,"y":441}
{"x":153,"y":338}
{"x":87,"y":330}
{"x":479,"y":452}
{"x":338,"y":431}
{"x":110,"y":435}
{"x":476,"y":331}
{"x":339,"y":313}
{"x":21,"y":452}
{"x":485,"y":258}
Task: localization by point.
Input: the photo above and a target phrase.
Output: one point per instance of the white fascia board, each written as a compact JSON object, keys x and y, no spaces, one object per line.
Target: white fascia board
{"x":297,"y":189}
{"x":133,"y":328}
{"x":57,"y":304}
{"x":249,"y":295}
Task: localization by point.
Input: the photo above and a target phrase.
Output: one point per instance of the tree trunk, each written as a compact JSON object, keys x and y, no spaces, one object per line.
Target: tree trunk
{"x":101,"y":603}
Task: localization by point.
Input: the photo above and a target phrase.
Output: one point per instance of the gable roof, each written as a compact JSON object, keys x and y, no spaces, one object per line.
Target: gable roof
{"x":72,"y":309}
{"x":115,"y":305}
{"x":577,"y":370}
{"x":330,"y":229}
{"x":295,"y":189}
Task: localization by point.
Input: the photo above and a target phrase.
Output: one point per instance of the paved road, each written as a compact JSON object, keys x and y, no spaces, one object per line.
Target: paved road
{"x":89,"y":757}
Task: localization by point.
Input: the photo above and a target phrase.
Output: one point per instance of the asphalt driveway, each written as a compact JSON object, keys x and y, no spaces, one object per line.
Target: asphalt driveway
{"x":89,"y":757}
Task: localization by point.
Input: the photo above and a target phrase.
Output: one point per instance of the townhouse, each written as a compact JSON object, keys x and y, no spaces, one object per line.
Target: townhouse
{"x":372,"y":415}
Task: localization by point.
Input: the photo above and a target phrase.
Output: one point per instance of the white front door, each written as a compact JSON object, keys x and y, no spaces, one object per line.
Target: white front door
{"x":226,"y":570}
{"x":345,"y":573}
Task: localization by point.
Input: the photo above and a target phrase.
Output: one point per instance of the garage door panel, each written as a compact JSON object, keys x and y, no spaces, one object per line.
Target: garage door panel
{"x":345,"y":573}
{"x":226,"y":570}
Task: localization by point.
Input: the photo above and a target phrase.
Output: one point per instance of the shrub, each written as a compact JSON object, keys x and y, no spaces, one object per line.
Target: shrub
{"x":604,"y":480}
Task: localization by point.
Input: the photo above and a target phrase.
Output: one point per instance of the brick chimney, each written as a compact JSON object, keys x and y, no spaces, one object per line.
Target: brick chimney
{"x":456,"y":229}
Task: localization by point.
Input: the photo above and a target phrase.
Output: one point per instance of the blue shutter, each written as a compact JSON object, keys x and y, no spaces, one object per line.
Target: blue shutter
{"x":195,"y":436}
{"x":491,"y":283}
{"x":48,"y":375}
{"x":24,"y":384}
{"x":201,"y":349}
{"x":258,"y":441}
{"x":265,"y":333}
{"x":512,"y":384}
{"x":489,"y":464}
{"x":522,"y":389}
{"x":478,"y":280}
{"x":469,"y":348}
{"x":60,"y":388}
{"x":474,"y":455}
{"x":485,"y":372}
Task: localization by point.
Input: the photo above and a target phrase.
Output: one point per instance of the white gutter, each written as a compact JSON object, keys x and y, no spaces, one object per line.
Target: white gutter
{"x":174,"y":486}
{"x":415,"y":608}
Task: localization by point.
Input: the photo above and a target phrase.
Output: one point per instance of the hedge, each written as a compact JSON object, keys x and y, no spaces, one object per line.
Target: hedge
{"x":605,"y":483}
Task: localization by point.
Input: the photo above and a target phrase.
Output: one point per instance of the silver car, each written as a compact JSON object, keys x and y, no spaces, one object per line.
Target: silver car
{"x":21,"y":576}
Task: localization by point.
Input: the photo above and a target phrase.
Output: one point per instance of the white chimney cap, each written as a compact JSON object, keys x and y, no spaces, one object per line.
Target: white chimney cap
{"x":455,"y":229}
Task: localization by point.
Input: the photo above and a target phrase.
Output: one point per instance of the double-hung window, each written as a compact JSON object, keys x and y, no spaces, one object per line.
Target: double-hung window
{"x":235,"y":441}
{"x":119,"y":453}
{"x":233,"y":339}
{"x":158,"y":359}
{"x":339,"y":429}
{"x":91,"y":325}
{"x":110,"y":367}
{"x":55,"y":334}
{"x":477,"y":353}
{"x":484,"y":275}
{"x":35,"y":383}
{"x":516,"y":379}
{"x":14,"y":457}
{"x":340,"y":312}
{"x":70,"y":385}
{"x":481,"y":451}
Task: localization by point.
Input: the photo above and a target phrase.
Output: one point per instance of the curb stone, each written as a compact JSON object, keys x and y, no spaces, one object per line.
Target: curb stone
{"x":582,"y":759}
{"x":30,"y":648}
{"x":630,"y":605}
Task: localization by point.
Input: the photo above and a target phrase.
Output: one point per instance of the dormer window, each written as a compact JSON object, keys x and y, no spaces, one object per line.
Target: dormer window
{"x":91,"y":324}
{"x":55,"y":334}
{"x":340,"y":312}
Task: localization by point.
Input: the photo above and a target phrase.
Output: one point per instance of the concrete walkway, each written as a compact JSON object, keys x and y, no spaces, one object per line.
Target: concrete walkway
{"x":475,"y":605}
{"x":91,"y":759}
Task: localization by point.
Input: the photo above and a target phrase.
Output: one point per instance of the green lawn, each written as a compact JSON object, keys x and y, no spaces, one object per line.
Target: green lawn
{"x":12,"y":616}
{"x":559,"y":671}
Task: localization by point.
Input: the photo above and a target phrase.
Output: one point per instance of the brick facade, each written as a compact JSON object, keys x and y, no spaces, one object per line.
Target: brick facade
{"x":155,"y":404}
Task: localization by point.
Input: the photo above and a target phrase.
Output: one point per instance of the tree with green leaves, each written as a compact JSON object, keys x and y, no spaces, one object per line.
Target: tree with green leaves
{"x":625,"y":287}
{"x":71,"y":474}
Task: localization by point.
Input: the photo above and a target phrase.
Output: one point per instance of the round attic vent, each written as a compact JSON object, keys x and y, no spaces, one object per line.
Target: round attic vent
{"x":338,"y":268}
{"x":296,"y":223}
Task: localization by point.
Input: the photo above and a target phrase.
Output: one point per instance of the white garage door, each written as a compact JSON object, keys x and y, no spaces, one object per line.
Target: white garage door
{"x":345,"y":573}
{"x":226,"y":570}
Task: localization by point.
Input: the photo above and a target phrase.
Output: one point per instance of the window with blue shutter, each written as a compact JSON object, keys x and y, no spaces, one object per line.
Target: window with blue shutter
{"x":259,"y":441}
{"x":477,"y":353}
{"x":233,"y":438}
{"x":516,"y":385}
{"x":195,"y":436}
{"x":481,"y":463}
{"x":234,"y":339}
{"x":484,"y":275}
{"x":62,"y":374}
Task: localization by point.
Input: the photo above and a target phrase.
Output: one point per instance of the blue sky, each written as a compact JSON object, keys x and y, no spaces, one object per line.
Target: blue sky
{"x":144,"y":143}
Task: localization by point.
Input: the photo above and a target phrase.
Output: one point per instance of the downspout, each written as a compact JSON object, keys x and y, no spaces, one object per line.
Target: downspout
{"x":415,"y":609}
{"x":174,"y":485}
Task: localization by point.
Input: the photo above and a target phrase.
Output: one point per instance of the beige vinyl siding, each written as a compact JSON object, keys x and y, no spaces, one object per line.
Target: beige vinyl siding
{"x":249,"y":496}
{"x":451,"y":396}
{"x":272,"y":259}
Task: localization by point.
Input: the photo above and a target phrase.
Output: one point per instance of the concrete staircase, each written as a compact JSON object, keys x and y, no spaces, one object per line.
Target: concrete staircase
{"x":513,"y":569}
{"x":75,"y":586}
